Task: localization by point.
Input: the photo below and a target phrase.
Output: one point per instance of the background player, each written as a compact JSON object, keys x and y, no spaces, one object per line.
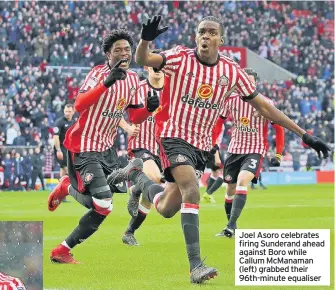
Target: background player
{"x":247,"y":148}
{"x":60,"y":128}
{"x":144,"y":146}
{"x":107,"y":91}
{"x":10,"y":283}
{"x":200,"y":80}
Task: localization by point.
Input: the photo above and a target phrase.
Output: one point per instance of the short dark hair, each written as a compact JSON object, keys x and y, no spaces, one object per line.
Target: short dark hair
{"x":113,"y":36}
{"x":214,"y":19}
{"x":69,"y":106}
{"x":251,"y":72}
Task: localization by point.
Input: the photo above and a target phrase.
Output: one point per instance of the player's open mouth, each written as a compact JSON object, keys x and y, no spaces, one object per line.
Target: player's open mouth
{"x":204,"y":46}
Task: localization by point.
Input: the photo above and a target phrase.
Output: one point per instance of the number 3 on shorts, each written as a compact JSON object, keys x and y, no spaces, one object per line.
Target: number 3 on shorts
{"x":253,"y":163}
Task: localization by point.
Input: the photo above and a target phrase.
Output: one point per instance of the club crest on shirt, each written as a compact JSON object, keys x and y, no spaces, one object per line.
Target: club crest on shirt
{"x":256,"y":113}
{"x":223,"y":81}
{"x":205,"y":91}
{"x":121,"y":104}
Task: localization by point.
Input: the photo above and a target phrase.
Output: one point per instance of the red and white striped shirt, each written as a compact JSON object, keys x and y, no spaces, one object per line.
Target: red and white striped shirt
{"x":146,"y":137}
{"x":96,"y":128}
{"x":197,"y":94}
{"x":10,"y":283}
{"x":250,"y":129}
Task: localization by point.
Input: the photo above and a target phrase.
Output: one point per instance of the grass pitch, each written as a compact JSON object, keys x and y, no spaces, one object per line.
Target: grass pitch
{"x":160,"y":262}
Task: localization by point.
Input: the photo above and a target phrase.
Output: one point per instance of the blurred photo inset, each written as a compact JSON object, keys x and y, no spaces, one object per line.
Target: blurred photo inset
{"x":21,"y":260}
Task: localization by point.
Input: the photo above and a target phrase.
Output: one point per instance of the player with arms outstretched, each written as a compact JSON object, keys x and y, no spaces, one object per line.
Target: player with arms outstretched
{"x":247,"y":148}
{"x":200,"y":80}
{"x":107,"y":92}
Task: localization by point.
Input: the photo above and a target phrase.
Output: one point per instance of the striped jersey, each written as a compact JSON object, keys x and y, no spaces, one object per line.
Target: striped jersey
{"x":10,"y":283}
{"x":96,"y":127}
{"x":250,"y":129}
{"x":197,"y":94}
{"x":146,"y":137}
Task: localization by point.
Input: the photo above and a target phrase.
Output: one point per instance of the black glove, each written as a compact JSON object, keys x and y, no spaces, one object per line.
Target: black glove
{"x":152,"y":101}
{"x":214,"y":149}
{"x":116,"y":74}
{"x":275,"y":161}
{"x":150,"y":30}
{"x":317,"y":144}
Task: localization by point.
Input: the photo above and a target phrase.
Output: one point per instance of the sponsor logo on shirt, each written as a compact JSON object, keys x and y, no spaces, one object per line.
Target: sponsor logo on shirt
{"x":205,"y":91}
{"x":244,"y":126}
{"x":199,"y":103}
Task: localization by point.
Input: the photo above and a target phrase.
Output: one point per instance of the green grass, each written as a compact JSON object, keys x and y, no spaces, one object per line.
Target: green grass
{"x":160,"y":262}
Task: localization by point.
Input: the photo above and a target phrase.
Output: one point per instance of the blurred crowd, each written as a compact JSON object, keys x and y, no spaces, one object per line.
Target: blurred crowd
{"x":21,"y":252}
{"x":296,"y":35}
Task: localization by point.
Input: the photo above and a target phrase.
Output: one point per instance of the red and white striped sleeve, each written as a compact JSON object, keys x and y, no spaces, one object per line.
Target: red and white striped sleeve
{"x":172,"y":59}
{"x":91,"y":80}
{"x":245,"y":87}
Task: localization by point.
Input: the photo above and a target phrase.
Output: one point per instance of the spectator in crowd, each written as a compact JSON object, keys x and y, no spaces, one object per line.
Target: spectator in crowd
{"x":27,"y":168}
{"x":18,"y":172}
{"x":37,"y":161}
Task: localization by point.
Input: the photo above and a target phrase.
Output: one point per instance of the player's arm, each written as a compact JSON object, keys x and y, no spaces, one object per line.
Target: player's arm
{"x":280,"y":141}
{"x":218,"y":128}
{"x":87,"y":98}
{"x":249,"y":93}
{"x":132,"y":130}
{"x":149,"y":32}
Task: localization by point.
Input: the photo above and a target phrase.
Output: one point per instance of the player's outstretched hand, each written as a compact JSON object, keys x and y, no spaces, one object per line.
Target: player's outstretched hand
{"x":115,"y":74}
{"x":150,"y":29}
{"x":152,"y":101}
{"x":317,"y":144}
{"x":275,"y":161}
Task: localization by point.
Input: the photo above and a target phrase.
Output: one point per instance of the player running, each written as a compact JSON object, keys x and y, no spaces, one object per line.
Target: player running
{"x":10,"y":283}
{"x":200,"y":80}
{"x":247,"y":148}
{"x":107,"y":92}
{"x":145,"y":147}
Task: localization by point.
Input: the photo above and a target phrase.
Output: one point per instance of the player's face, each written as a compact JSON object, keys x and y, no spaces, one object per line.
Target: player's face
{"x":208,"y":39}
{"x":68,"y":113}
{"x":120,"y":50}
{"x":155,"y":75}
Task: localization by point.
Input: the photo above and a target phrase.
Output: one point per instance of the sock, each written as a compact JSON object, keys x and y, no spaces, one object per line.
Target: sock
{"x":64,"y":243}
{"x":141,"y":181}
{"x":85,"y":200}
{"x":88,"y":225}
{"x":238,"y":205}
{"x":210,"y":182}
{"x":153,"y":191}
{"x":228,"y":204}
{"x":190,"y":225}
{"x":137,"y":221}
{"x":216,"y":185}
{"x":137,"y":190}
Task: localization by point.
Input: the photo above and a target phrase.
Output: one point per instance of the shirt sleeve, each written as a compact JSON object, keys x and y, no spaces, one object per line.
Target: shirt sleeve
{"x":244,"y":86}
{"x":91,"y":81}
{"x":136,"y":100}
{"x":225,"y":110}
{"x":171,"y":60}
{"x":57,"y":128}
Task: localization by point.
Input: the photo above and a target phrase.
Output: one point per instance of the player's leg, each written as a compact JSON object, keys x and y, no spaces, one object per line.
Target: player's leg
{"x":150,"y":168}
{"x":250,"y":168}
{"x":93,"y":177}
{"x":217,"y":167}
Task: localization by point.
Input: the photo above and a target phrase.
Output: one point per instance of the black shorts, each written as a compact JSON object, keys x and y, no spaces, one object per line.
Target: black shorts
{"x":88,"y":171}
{"x":238,"y":162}
{"x":175,"y":152}
{"x":62,"y":163}
{"x":211,"y":162}
{"x":145,"y":155}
